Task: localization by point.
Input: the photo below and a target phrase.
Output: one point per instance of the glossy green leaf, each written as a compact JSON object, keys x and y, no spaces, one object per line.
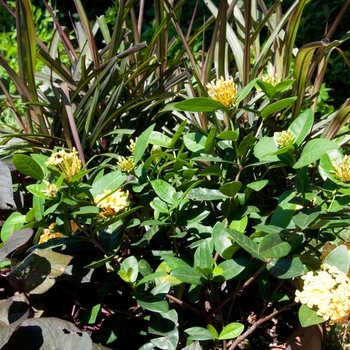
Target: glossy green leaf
{"x":268,"y":89}
{"x":188,"y":275}
{"x":199,"y":104}
{"x":272,"y":247}
{"x":159,"y":139}
{"x":111,"y":181}
{"x":210,"y":143}
{"x":131,"y":268}
{"x":284,"y":85}
{"x":228,"y":135}
{"x":230,"y":189}
{"x":195,"y":142}
{"x":141,"y":143}
{"x":264,"y":150}
{"x":159,"y":205}
{"x":246,"y":143}
{"x":277,"y":106}
{"x":153,"y":303}
{"x":246,"y":243}
{"x":283,"y":214}
{"x":308,"y":317}
{"x":302,"y":126}
{"x":286,"y":268}
{"x":28,"y":166}
{"x":232,"y":267}
{"x":257,"y":185}
{"x":303,"y":220}
{"x":203,"y":257}
{"x":206,"y":194}
{"x":87,"y":210}
{"x":314,"y":150}
{"x":223,"y":241}
{"x":199,"y":333}
{"x":231,"y":331}
{"x":164,"y":191}
{"x":13,"y":223}
{"x":339,"y":257}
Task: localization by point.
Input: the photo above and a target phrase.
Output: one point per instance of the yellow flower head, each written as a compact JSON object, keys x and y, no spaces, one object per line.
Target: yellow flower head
{"x":224,"y":91}
{"x":49,"y":234}
{"x":51,"y":190}
{"x":270,"y":79}
{"x":342,"y":171}
{"x":328,"y":292}
{"x":131,"y":147}
{"x":66,"y":163}
{"x":284,"y":138}
{"x":126,"y":164}
{"x":111,"y":203}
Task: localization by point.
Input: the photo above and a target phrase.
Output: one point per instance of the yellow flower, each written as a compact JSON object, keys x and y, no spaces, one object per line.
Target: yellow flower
{"x":284,"y":138}
{"x":342,"y":171}
{"x":224,"y":91}
{"x":126,"y":164}
{"x":66,"y":163}
{"x":51,"y":190}
{"x":111,"y":203}
{"x":131,"y":147}
{"x":328,"y":292}
{"x":270,"y":79}
{"x":49,"y":234}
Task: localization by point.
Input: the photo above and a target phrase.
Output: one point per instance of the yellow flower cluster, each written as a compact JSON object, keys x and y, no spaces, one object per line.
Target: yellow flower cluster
{"x":284,"y":138}
{"x":342,"y":171}
{"x":66,"y":163}
{"x":327,"y":291}
{"x":111,"y":203}
{"x":49,"y":234}
{"x":224,"y":91}
{"x":270,"y":79}
{"x":51,"y":190}
{"x":127,"y":164}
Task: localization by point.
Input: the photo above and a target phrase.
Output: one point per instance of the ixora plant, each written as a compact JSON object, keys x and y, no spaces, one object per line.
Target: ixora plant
{"x":214,"y":219}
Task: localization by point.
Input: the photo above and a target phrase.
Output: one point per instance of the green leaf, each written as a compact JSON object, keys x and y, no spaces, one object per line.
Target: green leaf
{"x":245,"y":91}
{"x":272,"y":247}
{"x":188,"y":275}
{"x":257,"y":185}
{"x":164,"y":191}
{"x":303,"y":220}
{"x":159,"y":205}
{"x":339,"y":257}
{"x":141,"y":143}
{"x":111,"y":181}
{"x":232,"y":267}
{"x":131,"y":268}
{"x":302,"y":126}
{"x":286,"y":268}
{"x":308,"y":317}
{"x":210,"y":143}
{"x":264,"y":150}
{"x":283,"y":214}
{"x":199,"y":104}
{"x":223,"y":241}
{"x":228,"y":135}
{"x":154,"y":303}
{"x":231,"y":331}
{"x":314,"y":150}
{"x":213,"y":331}
{"x":199,"y":333}
{"x":13,"y":223}
{"x":87,"y":210}
{"x":159,"y":139}
{"x":246,"y":243}
{"x":28,"y":166}
{"x":277,"y":106}
{"x":230,"y":189}
{"x":206,"y":194}
{"x":248,"y":141}
{"x":38,"y":190}
{"x":195,"y":142}
{"x":203,"y":257}
{"x":268,"y":89}
{"x":284,"y":85}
